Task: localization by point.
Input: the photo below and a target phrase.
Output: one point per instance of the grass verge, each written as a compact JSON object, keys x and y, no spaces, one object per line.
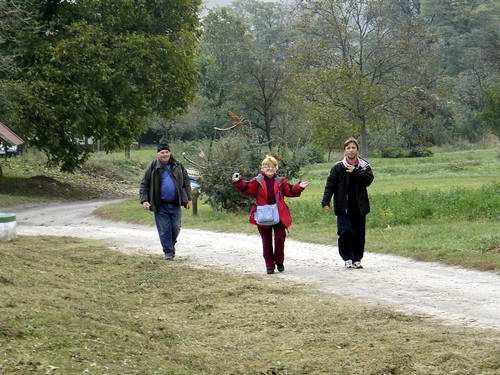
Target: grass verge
{"x":74,"y":307}
{"x":28,"y":180}
{"x":472,"y":244}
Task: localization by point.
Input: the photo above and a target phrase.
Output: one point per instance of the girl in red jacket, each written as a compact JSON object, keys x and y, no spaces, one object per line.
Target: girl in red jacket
{"x":269,"y":191}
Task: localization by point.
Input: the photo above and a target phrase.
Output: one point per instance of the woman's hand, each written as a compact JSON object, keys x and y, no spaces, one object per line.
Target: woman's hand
{"x":304,"y":184}
{"x":236,"y":177}
{"x":349,"y":168}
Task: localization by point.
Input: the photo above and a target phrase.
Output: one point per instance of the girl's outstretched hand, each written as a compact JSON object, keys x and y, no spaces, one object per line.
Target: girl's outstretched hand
{"x":304,"y":184}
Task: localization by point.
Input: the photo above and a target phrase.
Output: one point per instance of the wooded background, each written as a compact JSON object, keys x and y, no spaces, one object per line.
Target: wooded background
{"x":400,"y":74}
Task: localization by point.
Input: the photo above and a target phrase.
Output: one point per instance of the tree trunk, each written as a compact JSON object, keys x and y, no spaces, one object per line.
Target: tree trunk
{"x":268,"y":135}
{"x":363,"y":139}
{"x":127,"y":152}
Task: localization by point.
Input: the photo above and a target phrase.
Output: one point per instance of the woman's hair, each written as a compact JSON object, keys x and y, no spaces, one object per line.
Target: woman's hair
{"x":269,"y":160}
{"x":351,"y":140}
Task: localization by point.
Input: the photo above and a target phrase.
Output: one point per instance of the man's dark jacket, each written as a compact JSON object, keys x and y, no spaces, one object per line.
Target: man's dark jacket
{"x":337,"y":184}
{"x":150,"y":188}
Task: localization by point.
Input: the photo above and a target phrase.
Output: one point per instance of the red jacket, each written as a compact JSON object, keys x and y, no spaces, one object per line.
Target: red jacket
{"x":257,"y":188}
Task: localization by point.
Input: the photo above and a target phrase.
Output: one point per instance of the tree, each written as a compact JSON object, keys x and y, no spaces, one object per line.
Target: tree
{"x":469,"y":40}
{"x":266,"y":74}
{"x":11,"y":18}
{"x":491,"y":109}
{"x":355,"y":56}
{"x":330,"y":128}
{"x":245,"y":50}
{"x":225,"y":47}
{"x":99,"y":69}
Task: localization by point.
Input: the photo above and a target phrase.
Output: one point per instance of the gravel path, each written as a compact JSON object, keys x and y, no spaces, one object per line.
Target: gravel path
{"x":450,"y":294}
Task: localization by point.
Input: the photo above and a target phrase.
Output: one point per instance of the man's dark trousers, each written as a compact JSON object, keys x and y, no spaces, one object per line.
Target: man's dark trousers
{"x":351,"y":231}
{"x":168,"y":223}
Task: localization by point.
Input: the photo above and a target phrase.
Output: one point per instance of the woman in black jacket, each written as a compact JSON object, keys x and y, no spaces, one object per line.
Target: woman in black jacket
{"x":347,"y":184}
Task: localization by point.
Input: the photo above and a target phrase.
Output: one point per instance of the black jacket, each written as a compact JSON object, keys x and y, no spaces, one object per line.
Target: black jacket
{"x":150,"y":188}
{"x":337,"y":185}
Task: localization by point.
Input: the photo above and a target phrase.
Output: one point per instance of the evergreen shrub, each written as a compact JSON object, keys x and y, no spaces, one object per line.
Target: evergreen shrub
{"x":399,"y":152}
{"x":237,"y":154}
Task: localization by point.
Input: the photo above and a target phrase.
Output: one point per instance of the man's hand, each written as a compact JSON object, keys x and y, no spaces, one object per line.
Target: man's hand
{"x":146,"y":205}
{"x":326,"y":208}
{"x":304,"y":184}
{"x":236,"y":177}
{"x":349,"y":168}
{"x":188,"y":205}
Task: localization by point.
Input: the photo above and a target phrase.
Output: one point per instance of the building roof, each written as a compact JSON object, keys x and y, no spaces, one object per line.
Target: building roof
{"x":8,"y":135}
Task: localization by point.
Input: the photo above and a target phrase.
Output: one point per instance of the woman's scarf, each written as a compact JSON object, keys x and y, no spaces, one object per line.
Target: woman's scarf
{"x":358,"y":163}
{"x":346,"y":163}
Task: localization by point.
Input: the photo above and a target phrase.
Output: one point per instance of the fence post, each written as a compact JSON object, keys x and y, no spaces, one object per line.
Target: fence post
{"x":194,"y":195}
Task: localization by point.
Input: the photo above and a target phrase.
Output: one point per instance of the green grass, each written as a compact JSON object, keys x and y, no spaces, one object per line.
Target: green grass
{"x":469,"y":244}
{"x":72,"y":307}
{"x":422,"y":200}
{"x":443,"y":171}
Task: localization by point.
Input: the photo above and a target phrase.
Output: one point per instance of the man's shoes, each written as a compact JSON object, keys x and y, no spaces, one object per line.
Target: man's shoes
{"x":348,"y":264}
{"x":280,"y":267}
{"x":169,"y":257}
{"x":357,"y":265}
{"x":270,"y":271}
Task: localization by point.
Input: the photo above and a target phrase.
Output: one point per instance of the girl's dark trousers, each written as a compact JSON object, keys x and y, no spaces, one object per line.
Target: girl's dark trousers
{"x":278,"y":255}
{"x":351,"y":232}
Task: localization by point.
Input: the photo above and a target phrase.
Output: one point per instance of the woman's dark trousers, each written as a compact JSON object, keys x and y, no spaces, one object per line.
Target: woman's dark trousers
{"x":351,"y":232}
{"x":278,"y":255}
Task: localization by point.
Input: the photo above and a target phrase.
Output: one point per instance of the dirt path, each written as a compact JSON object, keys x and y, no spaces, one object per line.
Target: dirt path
{"x":450,"y":294}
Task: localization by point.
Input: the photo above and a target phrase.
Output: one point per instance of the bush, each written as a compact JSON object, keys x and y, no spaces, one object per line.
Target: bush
{"x":420,"y":152}
{"x":313,"y":154}
{"x":228,"y":155}
{"x":399,"y":152}
{"x":290,"y":163}
{"x":237,"y":154}
{"x":292,"y":160}
{"x":393,"y":152}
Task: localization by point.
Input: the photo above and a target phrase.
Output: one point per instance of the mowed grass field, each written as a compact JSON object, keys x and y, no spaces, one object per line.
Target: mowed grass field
{"x":69,"y":306}
{"x":442,"y":208}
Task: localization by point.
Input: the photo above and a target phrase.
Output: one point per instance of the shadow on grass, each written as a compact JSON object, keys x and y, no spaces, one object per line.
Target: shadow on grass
{"x":41,"y":186}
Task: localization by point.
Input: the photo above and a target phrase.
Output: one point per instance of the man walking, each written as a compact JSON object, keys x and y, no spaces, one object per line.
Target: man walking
{"x":165,"y":187}
{"x":347,"y":183}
